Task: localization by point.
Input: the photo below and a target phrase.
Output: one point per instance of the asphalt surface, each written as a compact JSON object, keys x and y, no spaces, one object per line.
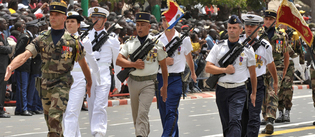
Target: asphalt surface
{"x":198,"y":118}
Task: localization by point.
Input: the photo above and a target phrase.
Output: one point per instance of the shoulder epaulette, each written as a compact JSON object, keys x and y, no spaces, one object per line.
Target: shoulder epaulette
{"x":220,"y":41}
{"x":43,"y":32}
{"x":130,"y":38}
{"x":112,"y":35}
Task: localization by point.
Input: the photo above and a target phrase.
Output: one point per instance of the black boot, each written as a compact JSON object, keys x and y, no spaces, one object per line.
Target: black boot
{"x":269,"y":127}
{"x":280,"y":119}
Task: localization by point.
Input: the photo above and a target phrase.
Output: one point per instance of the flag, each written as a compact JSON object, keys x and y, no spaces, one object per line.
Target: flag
{"x":173,"y":14}
{"x":289,"y":15}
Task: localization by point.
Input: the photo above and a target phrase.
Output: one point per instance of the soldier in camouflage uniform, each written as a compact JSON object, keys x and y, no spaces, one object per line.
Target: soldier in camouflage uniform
{"x":278,"y":41}
{"x":286,"y":91}
{"x":58,"y":50}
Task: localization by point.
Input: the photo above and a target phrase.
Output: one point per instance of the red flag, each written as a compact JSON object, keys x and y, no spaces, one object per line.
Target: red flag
{"x":289,"y":15}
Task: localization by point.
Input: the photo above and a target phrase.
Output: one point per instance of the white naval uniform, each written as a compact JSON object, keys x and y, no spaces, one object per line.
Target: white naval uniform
{"x":179,"y":59}
{"x":99,"y":93}
{"x":77,"y":92}
{"x":241,"y":64}
{"x":263,"y":56}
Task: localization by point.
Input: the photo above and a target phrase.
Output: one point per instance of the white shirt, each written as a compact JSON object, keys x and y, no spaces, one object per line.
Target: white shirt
{"x":107,"y":55}
{"x":263,"y":56}
{"x":179,"y":59}
{"x":241,"y":64}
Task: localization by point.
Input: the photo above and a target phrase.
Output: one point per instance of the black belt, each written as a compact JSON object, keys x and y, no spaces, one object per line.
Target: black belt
{"x":258,"y":78}
{"x":172,"y":74}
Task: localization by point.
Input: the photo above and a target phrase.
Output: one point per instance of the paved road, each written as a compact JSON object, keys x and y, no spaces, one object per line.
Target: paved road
{"x":198,"y":118}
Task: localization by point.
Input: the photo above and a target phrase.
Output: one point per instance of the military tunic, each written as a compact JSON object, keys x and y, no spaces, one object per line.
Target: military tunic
{"x":141,"y":83}
{"x":57,"y":62}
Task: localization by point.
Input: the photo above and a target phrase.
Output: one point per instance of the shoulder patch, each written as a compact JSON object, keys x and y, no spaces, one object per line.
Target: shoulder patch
{"x":264,"y":44}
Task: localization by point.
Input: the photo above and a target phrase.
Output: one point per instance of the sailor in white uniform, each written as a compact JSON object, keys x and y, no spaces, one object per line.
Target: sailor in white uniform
{"x":264,"y":60}
{"x":106,"y":55}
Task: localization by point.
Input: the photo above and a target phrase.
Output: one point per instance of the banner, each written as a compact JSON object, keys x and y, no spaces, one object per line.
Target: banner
{"x":173,"y":14}
{"x":289,"y":15}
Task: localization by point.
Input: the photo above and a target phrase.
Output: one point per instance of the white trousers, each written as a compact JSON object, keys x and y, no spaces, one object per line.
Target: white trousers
{"x":97,"y":104}
{"x":76,"y":95}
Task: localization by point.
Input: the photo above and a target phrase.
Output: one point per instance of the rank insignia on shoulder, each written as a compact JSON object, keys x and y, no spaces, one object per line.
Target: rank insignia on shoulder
{"x":112,"y":35}
{"x":220,"y":41}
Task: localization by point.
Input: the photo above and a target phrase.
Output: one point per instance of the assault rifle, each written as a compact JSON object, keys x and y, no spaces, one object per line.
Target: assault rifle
{"x":229,"y":58}
{"x":98,"y":44}
{"x":170,"y":50}
{"x":258,"y":41}
{"x":140,"y":53}
{"x":87,"y":31}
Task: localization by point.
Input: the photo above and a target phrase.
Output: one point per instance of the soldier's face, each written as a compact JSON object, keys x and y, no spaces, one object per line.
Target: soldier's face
{"x":249,"y":29}
{"x":143,"y":28}
{"x":164,"y":23}
{"x":72,"y":25}
{"x":268,"y":21}
{"x":234,"y":30}
{"x":57,"y":20}
{"x":100,"y":24}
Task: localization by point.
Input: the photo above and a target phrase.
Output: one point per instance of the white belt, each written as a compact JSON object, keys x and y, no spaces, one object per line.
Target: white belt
{"x":103,"y":64}
{"x":229,"y":85}
{"x":76,"y":70}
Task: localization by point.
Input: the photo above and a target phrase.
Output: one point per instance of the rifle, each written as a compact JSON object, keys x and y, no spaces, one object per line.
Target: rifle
{"x":170,"y":50}
{"x":258,"y":41}
{"x":87,"y":31}
{"x":140,"y":53}
{"x":229,"y":58}
{"x":97,"y":45}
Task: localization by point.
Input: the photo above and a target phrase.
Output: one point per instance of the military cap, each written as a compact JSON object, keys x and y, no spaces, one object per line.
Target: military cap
{"x":58,"y":7}
{"x":143,"y":16}
{"x":98,"y":11}
{"x":270,"y":13}
{"x":251,"y":19}
{"x":234,"y":20}
{"x":74,"y":15}
{"x":32,"y":23}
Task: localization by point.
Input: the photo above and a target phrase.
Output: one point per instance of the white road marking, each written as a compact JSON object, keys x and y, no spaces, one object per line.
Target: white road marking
{"x":206,"y":114}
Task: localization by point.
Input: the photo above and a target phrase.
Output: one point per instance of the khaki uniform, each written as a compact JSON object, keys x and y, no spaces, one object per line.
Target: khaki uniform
{"x":279,"y":46}
{"x":142,"y":83}
{"x":57,"y":62}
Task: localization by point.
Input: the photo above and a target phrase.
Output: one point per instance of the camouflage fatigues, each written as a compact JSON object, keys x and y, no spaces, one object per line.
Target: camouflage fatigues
{"x":286,"y":91}
{"x":54,"y":86}
{"x":279,"y":46}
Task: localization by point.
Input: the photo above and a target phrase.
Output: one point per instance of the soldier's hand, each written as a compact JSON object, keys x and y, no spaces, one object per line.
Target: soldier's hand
{"x":275,"y":87}
{"x":194,"y":77}
{"x":169,"y":61}
{"x":163,"y":91}
{"x":253,"y":98}
{"x":88,"y":88}
{"x":139,"y":64}
{"x":8,"y":73}
{"x":230,"y":69}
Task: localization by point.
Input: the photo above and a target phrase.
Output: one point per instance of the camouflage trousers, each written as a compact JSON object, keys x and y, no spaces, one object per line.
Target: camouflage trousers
{"x":313,"y":83}
{"x":55,"y":96}
{"x":286,"y":91}
{"x":270,"y":103}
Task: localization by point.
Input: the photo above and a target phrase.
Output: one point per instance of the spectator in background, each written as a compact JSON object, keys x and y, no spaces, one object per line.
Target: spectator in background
{"x":33,"y":4}
{"x":13,"y":6}
{"x":12,"y":40}
{"x":19,"y":26}
{"x":5,"y":50}
{"x":94,"y":3}
{"x":118,"y":8}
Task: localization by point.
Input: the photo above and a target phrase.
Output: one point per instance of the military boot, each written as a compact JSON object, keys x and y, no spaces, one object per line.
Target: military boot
{"x":269,"y":127}
{"x":263,"y":122}
{"x":286,"y":117}
{"x":280,"y":117}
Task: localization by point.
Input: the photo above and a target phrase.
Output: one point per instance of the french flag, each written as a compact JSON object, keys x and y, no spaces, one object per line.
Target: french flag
{"x":173,"y":14}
